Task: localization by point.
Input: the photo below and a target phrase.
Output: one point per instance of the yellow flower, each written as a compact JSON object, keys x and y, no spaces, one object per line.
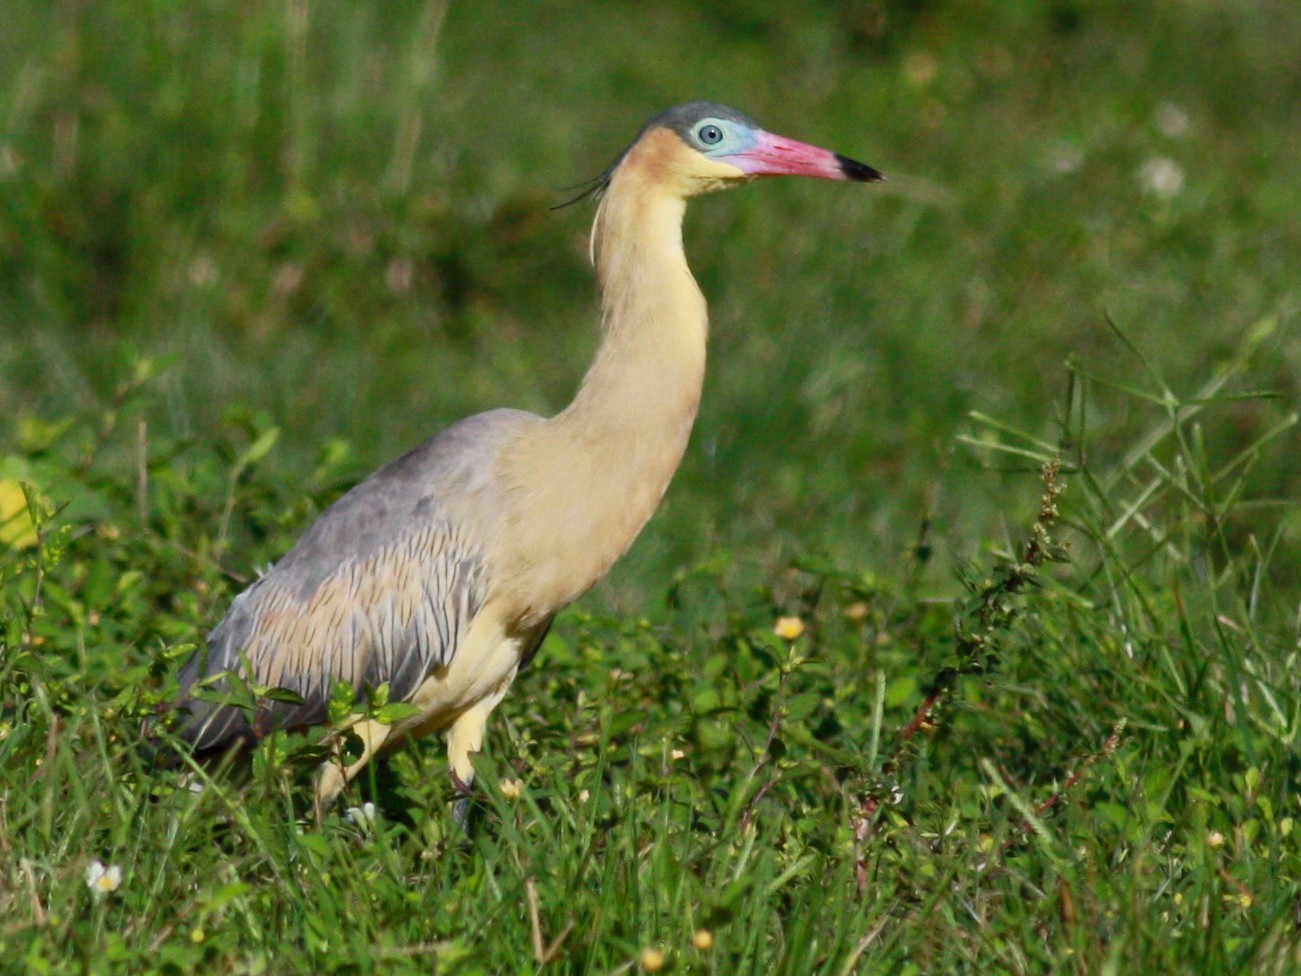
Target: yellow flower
{"x":788,"y":628}
{"x":920,"y":68}
{"x":511,"y":788}
{"x":703,"y":939}
{"x":652,"y":960}
{"x":16,"y":528}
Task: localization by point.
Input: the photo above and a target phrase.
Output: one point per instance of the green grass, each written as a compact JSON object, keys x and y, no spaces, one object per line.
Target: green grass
{"x":249,"y":252}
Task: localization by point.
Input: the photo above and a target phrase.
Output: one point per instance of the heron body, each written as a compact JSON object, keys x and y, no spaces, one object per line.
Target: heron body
{"x":440,"y":573}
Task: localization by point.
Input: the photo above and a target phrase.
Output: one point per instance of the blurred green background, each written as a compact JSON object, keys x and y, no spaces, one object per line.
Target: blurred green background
{"x":333,"y":218}
{"x":249,"y":251}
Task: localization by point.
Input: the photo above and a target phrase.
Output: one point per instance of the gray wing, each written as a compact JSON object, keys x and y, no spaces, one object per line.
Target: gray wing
{"x":380,"y":588}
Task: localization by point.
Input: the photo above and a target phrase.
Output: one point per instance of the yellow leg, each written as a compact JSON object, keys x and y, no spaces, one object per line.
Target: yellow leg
{"x":335,"y":775}
{"x":464,"y":738}
{"x":464,"y":741}
{"x":465,"y":735}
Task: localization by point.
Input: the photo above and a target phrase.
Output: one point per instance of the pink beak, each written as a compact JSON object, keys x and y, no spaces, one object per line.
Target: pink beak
{"x":778,"y":156}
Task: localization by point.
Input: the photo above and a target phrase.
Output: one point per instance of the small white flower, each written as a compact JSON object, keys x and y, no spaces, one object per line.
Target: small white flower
{"x":1065,"y":157}
{"x":203,"y":272}
{"x":1172,"y":121}
{"x":511,"y":788}
{"x":362,"y":816}
{"x":1215,"y":838}
{"x":676,"y":754}
{"x":1162,"y":177}
{"x":101,"y":879}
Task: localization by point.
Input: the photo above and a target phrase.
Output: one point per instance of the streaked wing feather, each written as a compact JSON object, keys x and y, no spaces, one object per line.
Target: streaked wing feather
{"x":393,"y":618}
{"x":379,"y":589}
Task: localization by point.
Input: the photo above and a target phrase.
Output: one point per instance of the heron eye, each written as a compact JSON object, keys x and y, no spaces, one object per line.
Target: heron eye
{"x":709,"y":135}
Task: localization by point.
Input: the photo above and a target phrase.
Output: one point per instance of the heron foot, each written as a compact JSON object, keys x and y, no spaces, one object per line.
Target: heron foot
{"x":465,"y":794}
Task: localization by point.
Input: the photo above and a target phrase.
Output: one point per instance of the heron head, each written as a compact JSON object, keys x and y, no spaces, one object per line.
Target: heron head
{"x":704,"y":146}
{"x":721,"y":146}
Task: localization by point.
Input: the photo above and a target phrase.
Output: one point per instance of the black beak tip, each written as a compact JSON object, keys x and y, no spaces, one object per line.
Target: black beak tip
{"x":859,"y":172}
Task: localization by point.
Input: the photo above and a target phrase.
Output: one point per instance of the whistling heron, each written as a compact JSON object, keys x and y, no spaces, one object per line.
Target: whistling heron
{"x":441,"y":572}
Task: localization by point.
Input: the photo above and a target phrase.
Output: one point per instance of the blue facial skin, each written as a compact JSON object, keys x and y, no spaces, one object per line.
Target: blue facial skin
{"x":720,"y":138}
{"x":739,"y":132}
